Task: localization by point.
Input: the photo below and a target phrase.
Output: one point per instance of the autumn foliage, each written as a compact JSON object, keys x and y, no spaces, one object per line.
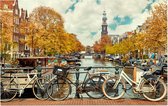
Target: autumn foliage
{"x":6,"y":31}
{"x":153,"y":35}
{"x":100,"y":46}
{"x":46,"y":33}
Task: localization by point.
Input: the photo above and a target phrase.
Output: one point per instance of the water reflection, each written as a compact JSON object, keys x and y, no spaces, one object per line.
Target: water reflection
{"x":96,"y":63}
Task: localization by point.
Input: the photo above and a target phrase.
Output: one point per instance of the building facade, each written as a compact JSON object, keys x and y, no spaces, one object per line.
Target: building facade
{"x":23,"y":19}
{"x":115,"y":39}
{"x":18,"y":16}
{"x":16,"y":32}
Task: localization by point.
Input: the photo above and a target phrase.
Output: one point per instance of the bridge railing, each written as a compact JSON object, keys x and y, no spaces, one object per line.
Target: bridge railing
{"x":47,"y":71}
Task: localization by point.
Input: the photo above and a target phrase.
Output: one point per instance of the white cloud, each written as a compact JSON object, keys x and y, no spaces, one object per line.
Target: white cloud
{"x":59,"y":5}
{"x":139,"y":19}
{"x":87,"y":16}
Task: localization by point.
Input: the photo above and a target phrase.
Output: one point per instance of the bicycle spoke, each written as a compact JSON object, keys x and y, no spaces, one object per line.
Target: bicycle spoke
{"x":110,"y":92}
{"x":58,"y":89}
{"x":93,"y":87}
{"x":39,"y":89}
{"x":154,"y":91}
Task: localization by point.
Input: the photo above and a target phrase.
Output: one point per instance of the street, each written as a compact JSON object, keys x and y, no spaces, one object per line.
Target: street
{"x":84,"y":101}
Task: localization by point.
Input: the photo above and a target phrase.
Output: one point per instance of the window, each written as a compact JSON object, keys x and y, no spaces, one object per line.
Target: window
{"x":16,"y":11}
{"x":5,"y":6}
{"x":17,"y":21}
{"x":17,"y":30}
{"x":104,"y":28}
{"x":14,"y":29}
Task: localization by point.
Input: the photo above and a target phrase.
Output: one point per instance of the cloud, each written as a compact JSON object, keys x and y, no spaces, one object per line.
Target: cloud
{"x":138,"y":20}
{"x":59,"y":5}
{"x":120,"y":21}
{"x":87,"y":17}
{"x":84,"y":17}
{"x":72,"y":7}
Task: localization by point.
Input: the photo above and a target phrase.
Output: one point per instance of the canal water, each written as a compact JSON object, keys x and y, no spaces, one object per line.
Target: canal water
{"x":98,"y":63}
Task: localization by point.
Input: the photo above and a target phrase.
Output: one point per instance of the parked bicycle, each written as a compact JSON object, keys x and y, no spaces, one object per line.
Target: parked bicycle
{"x":151,"y":87}
{"x":161,"y":72}
{"x":10,"y":86}
{"x":59,"y":87}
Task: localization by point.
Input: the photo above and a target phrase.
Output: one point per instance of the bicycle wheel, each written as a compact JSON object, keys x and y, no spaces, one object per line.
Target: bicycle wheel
{"x":113,"y":88}
{"x":58,"y":89}
{"x":40,"y":88}
{"x":93,"y":87}
{"x":153,"y":90}
{"x":8,"y":90}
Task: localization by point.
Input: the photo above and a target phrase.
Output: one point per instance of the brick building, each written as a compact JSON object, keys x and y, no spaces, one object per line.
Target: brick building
{"x":18,"y":16}
{"x":23,"y":19}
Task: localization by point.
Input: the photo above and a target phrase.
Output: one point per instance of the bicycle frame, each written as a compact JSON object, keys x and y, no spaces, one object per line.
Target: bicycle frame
{"x":128,"y":79}
{"x":83,"y":82}
{"x":74,"y":83}
{"x":19,"y":88}
{"x":28,"y":83}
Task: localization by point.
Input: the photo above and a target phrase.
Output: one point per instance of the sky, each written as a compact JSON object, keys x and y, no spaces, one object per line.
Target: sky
{"x":84,"y":17}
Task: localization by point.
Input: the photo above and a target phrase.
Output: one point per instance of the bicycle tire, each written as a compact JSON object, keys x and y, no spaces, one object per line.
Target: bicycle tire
{"x":9,"y":92}
{"x":93,"y":87}
{"x":40,"y":88}
{"x":111,"y":93}
{"x":58,"y":89}
{"x":145,"y":85}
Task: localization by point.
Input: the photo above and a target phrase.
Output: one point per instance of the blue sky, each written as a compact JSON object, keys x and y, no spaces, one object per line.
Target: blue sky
{"x":84,"y":17}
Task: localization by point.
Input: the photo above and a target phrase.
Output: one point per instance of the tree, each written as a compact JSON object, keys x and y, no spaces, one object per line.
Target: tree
{"x":97,"y":47}
{"x":45,"y":27}
{"x":156,"y":28}
{"x":6,"y":33}
{"x":100,"y":47}
{"x":46,"y":33}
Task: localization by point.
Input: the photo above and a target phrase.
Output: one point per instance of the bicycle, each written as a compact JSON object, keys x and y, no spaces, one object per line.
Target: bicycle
{"x":59,"y":87}
{"x":10,"y":87}
{"x":151,"y":87}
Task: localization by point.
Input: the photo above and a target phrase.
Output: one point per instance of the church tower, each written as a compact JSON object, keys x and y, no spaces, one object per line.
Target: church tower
{"x":104,"y":24}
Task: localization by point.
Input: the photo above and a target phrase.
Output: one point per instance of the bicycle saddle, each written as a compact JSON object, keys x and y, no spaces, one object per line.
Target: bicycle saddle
{"x":144,"y":68}
{"x":88,"y":68}
{"x":160,"y":71}
{"x":157,"y":72}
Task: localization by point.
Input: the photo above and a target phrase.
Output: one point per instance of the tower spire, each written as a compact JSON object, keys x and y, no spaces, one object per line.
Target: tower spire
{"x":104,"y":24}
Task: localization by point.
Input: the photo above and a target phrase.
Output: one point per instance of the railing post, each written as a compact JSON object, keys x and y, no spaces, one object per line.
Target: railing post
{"x":39,"y":69}
{"x":77,"y":83}
{"x":116,"y":70}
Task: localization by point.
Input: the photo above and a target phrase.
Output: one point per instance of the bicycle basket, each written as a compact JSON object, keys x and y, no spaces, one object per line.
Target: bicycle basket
{"x":61,"y":71}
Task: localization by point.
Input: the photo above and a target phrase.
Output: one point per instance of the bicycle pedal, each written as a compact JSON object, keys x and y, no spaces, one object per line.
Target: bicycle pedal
{"x":21,"y":92}
{"x":20,"y":95}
